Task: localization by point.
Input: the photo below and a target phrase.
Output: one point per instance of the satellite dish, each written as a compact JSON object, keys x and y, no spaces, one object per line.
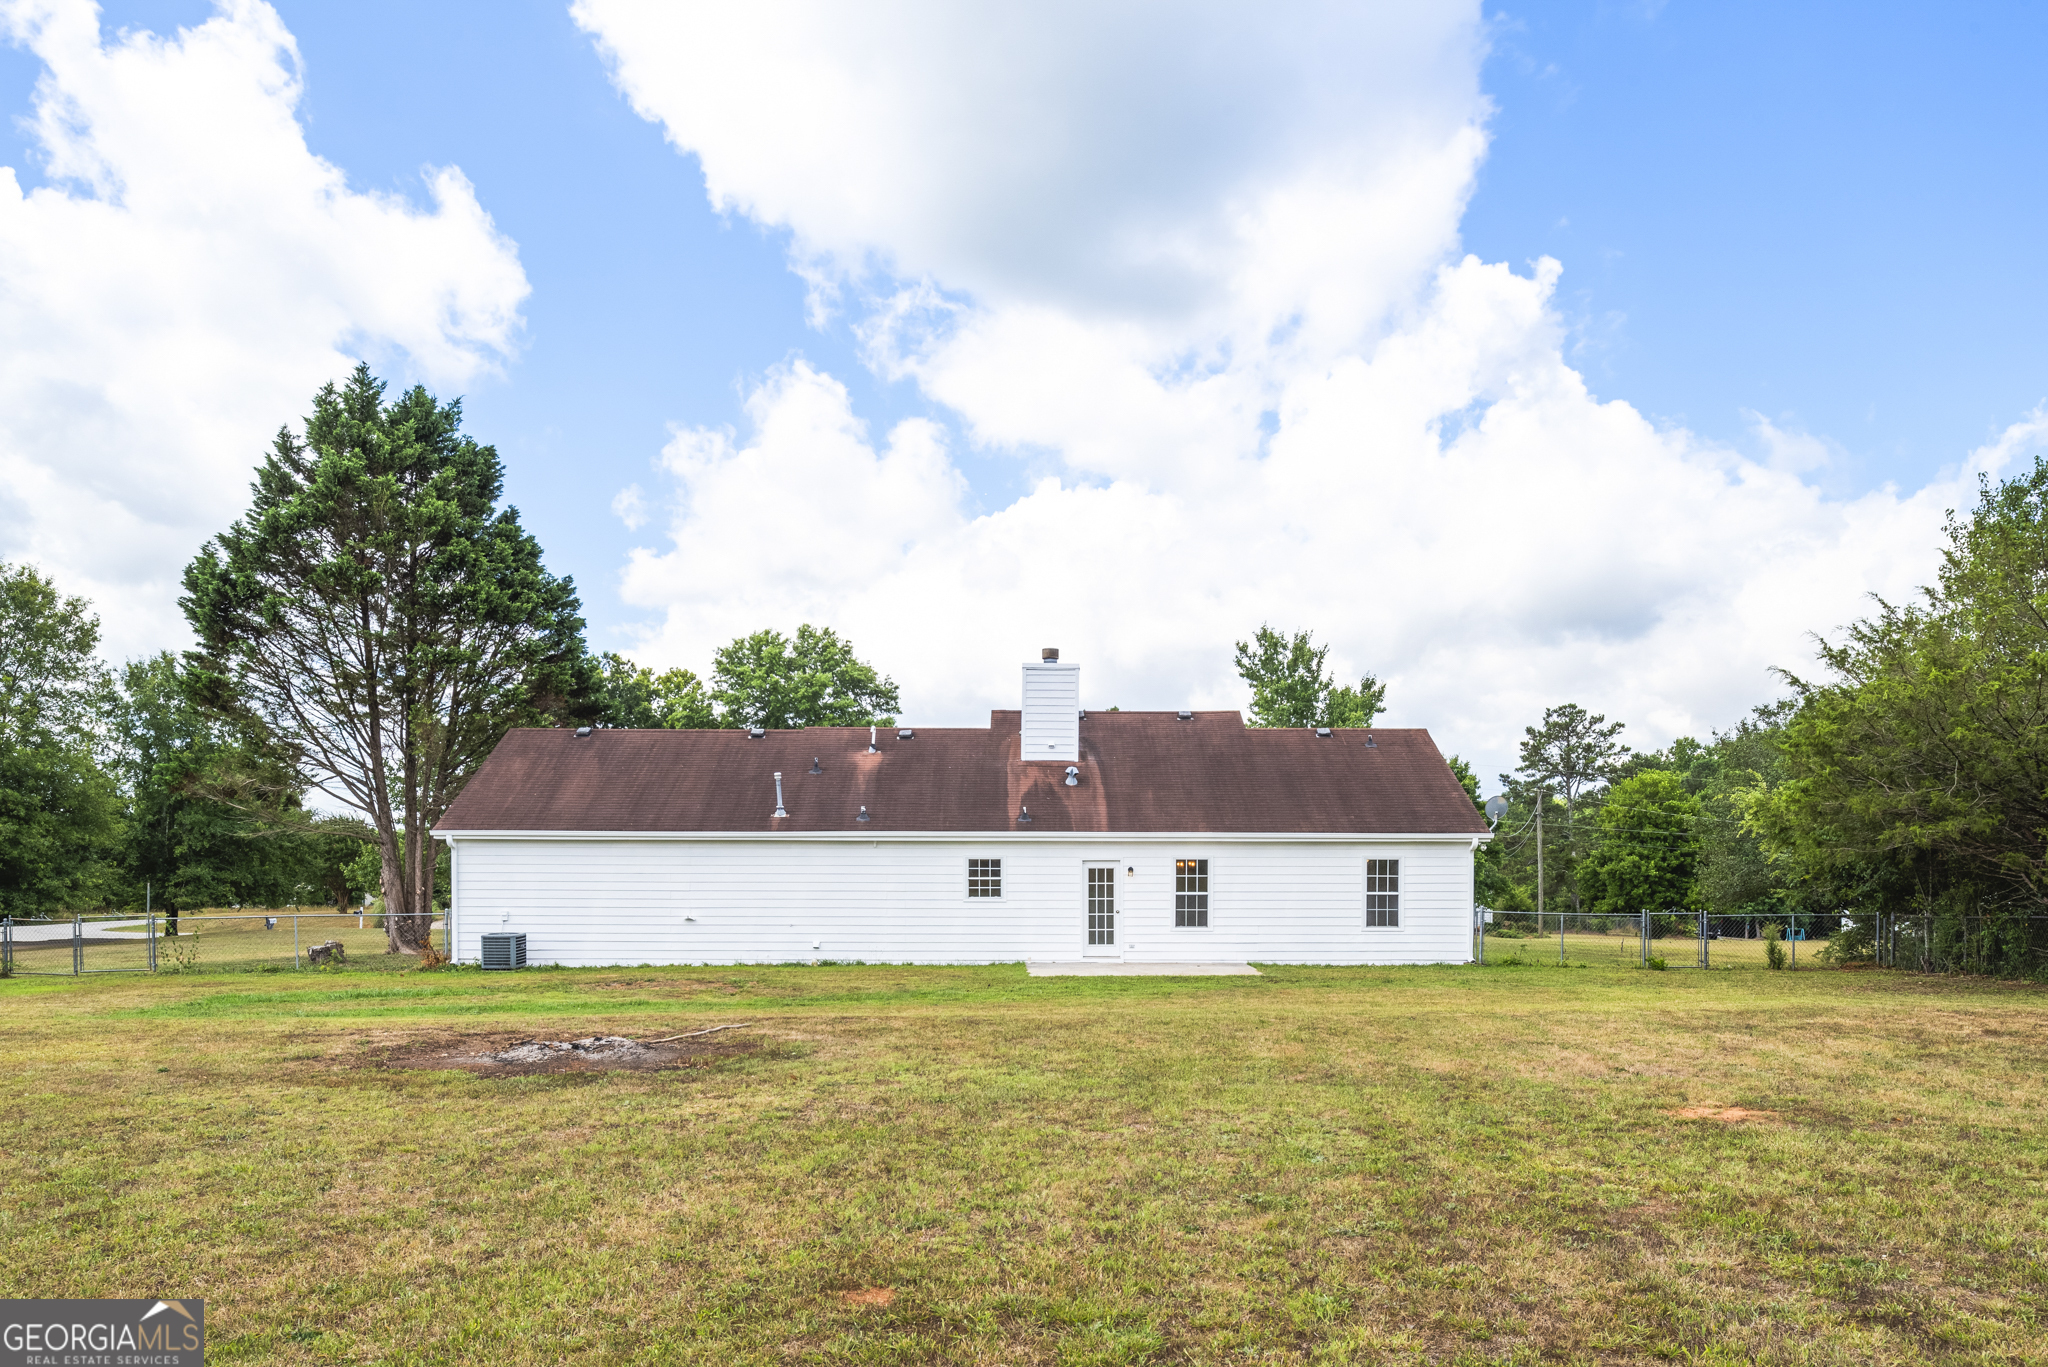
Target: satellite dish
{"x":1496,"y":808}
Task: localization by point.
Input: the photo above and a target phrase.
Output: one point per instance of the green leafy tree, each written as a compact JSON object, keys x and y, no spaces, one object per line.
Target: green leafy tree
{"x":1291,"y":687}
{"x":1737,"y":876}
{"x":633,"y":695}
{"x":1917,"y":777}
{"x":210,"y":823}
{"x":59,"y":807}
{"x":1645,"y":852}
{"x":1571,"y":756}
{"x":1469,"y":781}
{"x":378,"y":620}
{"x":766,"y":679}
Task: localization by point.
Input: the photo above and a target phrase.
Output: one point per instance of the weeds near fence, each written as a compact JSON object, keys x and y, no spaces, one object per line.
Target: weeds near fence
{"x":177,"y":954}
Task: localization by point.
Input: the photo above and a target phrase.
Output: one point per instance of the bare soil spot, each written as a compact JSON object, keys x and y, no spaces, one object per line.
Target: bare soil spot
{"x":514,"y":1056}
{"x":873,"y":1295}
{"x":1729,"y":1114}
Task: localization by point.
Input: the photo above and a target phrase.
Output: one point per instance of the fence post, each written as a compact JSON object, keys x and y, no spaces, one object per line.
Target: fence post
{"x":295,"y":941}
{"x":1643,"y":934}
{"x":1795,"y":942}
{"x":1703,"y":941}
{"x":7,"y":945}
{"x":1560,"y":939}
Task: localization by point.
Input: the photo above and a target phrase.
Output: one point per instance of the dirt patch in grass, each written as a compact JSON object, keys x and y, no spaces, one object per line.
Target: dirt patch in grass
{"x":873,"y":1295}
{"x":1730,"y":1114}
{"x":521,"y":1056}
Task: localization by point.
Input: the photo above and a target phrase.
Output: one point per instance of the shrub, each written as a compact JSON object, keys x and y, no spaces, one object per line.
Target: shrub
{"x":1774,"y":945}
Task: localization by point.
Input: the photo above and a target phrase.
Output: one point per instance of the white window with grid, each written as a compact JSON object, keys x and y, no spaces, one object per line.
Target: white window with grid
{"x":1190,"y":894}
{"x":1382,"y":892}
{"x":984,"y":878}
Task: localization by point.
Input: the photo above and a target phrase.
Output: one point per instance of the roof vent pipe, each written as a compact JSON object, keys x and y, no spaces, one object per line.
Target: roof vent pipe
{"x":863,"y":815}
{"x":1024,"y":816}
{"x":814,"y":765}
{"x":778,"y":795}
{"x":871,"y":746}
{"x":1073,"y":777}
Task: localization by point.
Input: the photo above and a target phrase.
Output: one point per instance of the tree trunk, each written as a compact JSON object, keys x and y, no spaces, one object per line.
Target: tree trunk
{"x":406,"y":928}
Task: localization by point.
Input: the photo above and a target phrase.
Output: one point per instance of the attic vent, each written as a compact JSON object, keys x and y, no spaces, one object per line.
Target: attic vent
{"x":1322,"y":733}
{"x":1073,"y":776}
{"x":906,"y":734}
{"x":756,"y":732}
{"x":1185,"y":716}
{"x":582,"y":731}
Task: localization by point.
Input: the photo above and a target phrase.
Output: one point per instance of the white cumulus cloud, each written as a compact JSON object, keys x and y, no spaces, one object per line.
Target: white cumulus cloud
{"x":1204,"y":260}
{"x":186,"y":279}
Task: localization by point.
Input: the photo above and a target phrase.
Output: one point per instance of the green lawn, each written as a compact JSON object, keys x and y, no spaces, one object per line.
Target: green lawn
{"x":1454,"y":1165}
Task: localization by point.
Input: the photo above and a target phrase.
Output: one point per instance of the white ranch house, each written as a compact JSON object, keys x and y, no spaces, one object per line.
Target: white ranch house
{"x":1053,"y":835}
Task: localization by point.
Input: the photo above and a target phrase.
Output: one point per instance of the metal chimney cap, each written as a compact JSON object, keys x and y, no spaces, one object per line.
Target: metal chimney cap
{"x":1050,"y":655}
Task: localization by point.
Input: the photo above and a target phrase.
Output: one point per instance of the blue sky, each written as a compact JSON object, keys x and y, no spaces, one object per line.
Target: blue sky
{"x":1821,"y":214}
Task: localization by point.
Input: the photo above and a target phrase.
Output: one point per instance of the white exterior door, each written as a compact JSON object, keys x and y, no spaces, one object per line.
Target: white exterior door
{"x":1100,"y":891}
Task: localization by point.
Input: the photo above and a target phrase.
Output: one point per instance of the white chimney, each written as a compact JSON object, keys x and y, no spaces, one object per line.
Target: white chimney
{"x":1052,"y":710}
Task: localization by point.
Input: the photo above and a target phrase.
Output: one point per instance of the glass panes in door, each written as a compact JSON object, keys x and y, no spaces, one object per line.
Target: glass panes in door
{"x":1101,"y":906}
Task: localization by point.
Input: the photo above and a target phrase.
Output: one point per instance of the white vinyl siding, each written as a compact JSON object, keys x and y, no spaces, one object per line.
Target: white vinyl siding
{"x":1051,"y":728}
{"x":703,"y":899}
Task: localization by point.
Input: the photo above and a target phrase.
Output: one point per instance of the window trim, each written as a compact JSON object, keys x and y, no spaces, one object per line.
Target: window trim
{"x":1206,"y":894}
{"x":1368,"y":893}
{"x":969,"y":894}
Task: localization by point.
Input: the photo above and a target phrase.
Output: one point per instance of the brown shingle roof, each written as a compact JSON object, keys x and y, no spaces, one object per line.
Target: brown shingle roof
{"x":1140,"y":771}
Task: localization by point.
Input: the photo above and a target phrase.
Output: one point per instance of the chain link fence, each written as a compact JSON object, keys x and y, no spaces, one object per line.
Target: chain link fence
{"x":239,"y":942}
{"x":1644,"y":940}
{"x":1997,"y":944}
